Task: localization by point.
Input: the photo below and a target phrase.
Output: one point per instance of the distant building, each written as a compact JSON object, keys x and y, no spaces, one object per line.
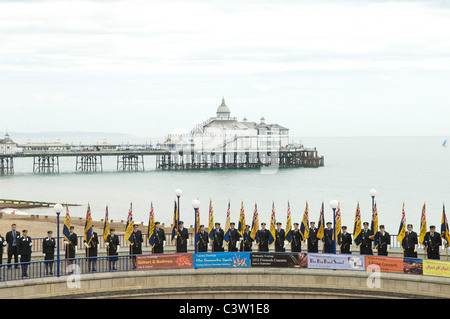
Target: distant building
{"x":7,"y":145}
{"x":39,"y":147}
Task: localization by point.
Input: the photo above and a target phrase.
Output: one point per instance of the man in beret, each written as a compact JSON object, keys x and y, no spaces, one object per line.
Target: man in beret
{"x":234,"y":238}
{"x":280,"y":237}
{"x":203,"y":240}
{"x":71,"y":248}
{"x":296,"y":244}
{"x":263,"y":238}
{"x":346,"y":241}
{"x":48,"y":249}
{"x":410,"y":242}
{"x":384,"y":241}
{"x":328,"y":239}
{"x":182,"y":238}
{"x":92,"y":251}
{"x":218,"y":235}
{"x":247,"y":241}
{"x":136,"y":248}
{"x":160,"y":238}
{"x":313,"y":243}
{"x":24,"y":249}
{"x":433,"y":241}
{"x":112,"y":248}
{"x":366,"y":241}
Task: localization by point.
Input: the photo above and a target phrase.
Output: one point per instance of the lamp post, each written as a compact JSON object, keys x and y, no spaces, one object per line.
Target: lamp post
{"x":178,"y":193}
{"x":196,"y":205}
{"x":58,"y":209}
{"x":373,"y":193}
{"x":334,"y":204}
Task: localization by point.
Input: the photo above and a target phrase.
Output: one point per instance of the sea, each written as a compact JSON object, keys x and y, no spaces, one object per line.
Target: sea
{"x":410,"y":170}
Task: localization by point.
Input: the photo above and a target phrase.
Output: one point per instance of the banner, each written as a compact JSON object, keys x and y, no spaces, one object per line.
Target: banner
{"x":222,"y":260}
{"x":436,"y":268}
{"x":164,"y":261}
{"x":413,"y":266}
{"x":279,"y":260}
{"x":332,"y":261}
{"x":386,"y":264}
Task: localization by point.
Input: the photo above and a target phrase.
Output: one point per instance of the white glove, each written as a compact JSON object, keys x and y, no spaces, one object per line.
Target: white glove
{"x":4,"y":243}
{"x":118,"y":248}
{"x":31,"y":244}
{"x":76,"y":249}
{"x":388,"y":247}
{"x":43,"y":254}
{"x":415,"y":246}
{"x":66,"y":242}
{"x":19,"y":256}
{"x":107,"y":244}
{"x":86,"y":245}
{"x":175,"y":237}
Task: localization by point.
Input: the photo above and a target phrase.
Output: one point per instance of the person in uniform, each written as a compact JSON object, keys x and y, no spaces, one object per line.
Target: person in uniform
{"x":71,"y":247}
{"x":92,"y":251}
{"x":2,"y":244}
{"x":247,"y":241}
{"x":136,"y":248}
{"x":234,"y":238}
{"x":24,"y":250}
{"x":263,"y":238}
{"x":433,"y":241}
{"x":313,"y":243}
{"x":160,"y":238}
{"x":218,"y":235}
{"x":182,"y":238}
{"x":112,"y":248}
{"x":280,"y":237}
{"x":203,"y":240}
{"x":48,"y":249}
{"x":12,"y":238}
{"x":328,"y":239}
{"x":411,"y":241}
{"x":346,"y":241}
{"x":366,"y":242}
{"x":384,"y":242}
{"x":296,"y":244}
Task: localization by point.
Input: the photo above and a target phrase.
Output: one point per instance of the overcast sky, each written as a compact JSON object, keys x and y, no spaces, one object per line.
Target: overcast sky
{"x":321,"y":68}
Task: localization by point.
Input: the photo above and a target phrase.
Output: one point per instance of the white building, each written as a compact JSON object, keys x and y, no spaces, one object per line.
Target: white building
{"x":7,"y":146}
{"x":226,"y":133}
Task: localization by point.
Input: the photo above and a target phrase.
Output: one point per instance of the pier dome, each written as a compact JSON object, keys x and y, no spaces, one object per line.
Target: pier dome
{"x":223,"y":112}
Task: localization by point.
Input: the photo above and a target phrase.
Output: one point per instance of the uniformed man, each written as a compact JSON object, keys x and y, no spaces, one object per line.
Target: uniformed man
{"x":263,"y":238}
{"x":24,"y":249}
{"x":296,"y":244}
{"x":203,"y":240}
{"x":136,"y":248}
{"x":384,"y":242}
{"x":328,"y":239}
{"x":12,"y":238}
{"x":313,"y":243}
{"x":160,"y":238}
{"x":411,"y":241}
{"x":247,"y":241}
{"x":366,"y":241}
{"x":48,"y":249}
{"x":234,"y":238}
{"x":2,"y":244}
{"x":112,"y":248}
{"x":433,"y":241}
{"x":182,"y":238}
{"x":280,"y":237}
{"x":346,"y":241}
{"x":218,"y":235}
{"x":92,"y":251}
{"x":71,"y":247}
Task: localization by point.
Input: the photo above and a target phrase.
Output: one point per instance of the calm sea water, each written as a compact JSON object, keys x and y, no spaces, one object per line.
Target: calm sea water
{"x":413,"y":170}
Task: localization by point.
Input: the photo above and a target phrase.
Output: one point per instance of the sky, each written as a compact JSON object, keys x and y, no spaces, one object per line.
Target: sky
{"x":148,"y":68}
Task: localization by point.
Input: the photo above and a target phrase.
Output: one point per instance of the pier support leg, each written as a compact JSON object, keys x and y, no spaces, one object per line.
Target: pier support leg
{"x":6,"y":166}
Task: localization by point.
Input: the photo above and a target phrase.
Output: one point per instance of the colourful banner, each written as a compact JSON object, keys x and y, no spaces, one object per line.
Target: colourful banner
{"x":164,"y":261}
{"x":436,"y":268}
{"x":332,"y":261}
{"x":222,"y":260}
{"x":386,"y":264}
{"x":413,"y":266}
{"x":279,"y":260}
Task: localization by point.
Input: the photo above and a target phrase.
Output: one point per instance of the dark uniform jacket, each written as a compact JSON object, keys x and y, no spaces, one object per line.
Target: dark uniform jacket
{"x":218,"y":240}
{"x":70,"y":250}
{"x":234,"y":237}
{"x":2,"y":243}
{"x":280,"y":237}
{"x":366,"y":243}
{"x":24,"y":247}
{"x":182,"y":240}
{"x":160,"y":237}
{"x":411,"y":240}
{"x":346,"y":243}
{"x":48,"y":248}
{"x":313,"y":244}
{"x":113,"y":243}
{"x":136,"y":248}
{"x":296,"y":244}
{"x":383,"y":242}
{"x":203,"y":242}
{"x":433,"y":243}
{"x":263,"y":239}
{"x":247,"y":242}
{"x":328,"y":240}
{"x":93,"y":246}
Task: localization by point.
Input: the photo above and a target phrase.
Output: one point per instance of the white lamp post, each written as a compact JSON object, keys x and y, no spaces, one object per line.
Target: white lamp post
{"x":58,"y":209}
{"x":196,"y":205}
{"x":334,"y":204}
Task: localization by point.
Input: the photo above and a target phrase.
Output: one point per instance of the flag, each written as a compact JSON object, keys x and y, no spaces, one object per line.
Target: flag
{"x":289,"y":225}
{"x":106,"y":226}
{"x":337,"y":227}
{"x":272,"y":226}
{"x":151,"y":227}
{"x":304,"y":227}
{"x":444,"y":229}
{"x":374,"y":226}
{"x":211,"y":221}
{"x":175,"y":221}
{"x":88,"y":231}
{"x":129,"y":227}
{"x":401,"y":230}
{"x":357,"y":227}
{"x":226,"y":236}
{"x":66,"y":228}
{"x":197,"y":228}
{"x":255,"y":226}
{"x":241,"y":225}
{"x":321,"y":226}
{"x":423,"y":227}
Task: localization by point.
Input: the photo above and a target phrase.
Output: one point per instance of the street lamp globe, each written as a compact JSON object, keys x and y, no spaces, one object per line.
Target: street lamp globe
{"x":195,"y":203}
{"x":58,"y":208}
{"x":334,"y":204}
{"x":178,"y":192}
{"x":373,"y":192}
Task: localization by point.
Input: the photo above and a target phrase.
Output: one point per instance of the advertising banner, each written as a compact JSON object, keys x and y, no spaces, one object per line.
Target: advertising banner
{"x":436,"y":268}
{"x":164,"y":261}
{"x":413,"y":266}
{"x":332,"y":261}
{"x":222,"y":260}
{"x":279,"y":260}
{"x":386,"y":264}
